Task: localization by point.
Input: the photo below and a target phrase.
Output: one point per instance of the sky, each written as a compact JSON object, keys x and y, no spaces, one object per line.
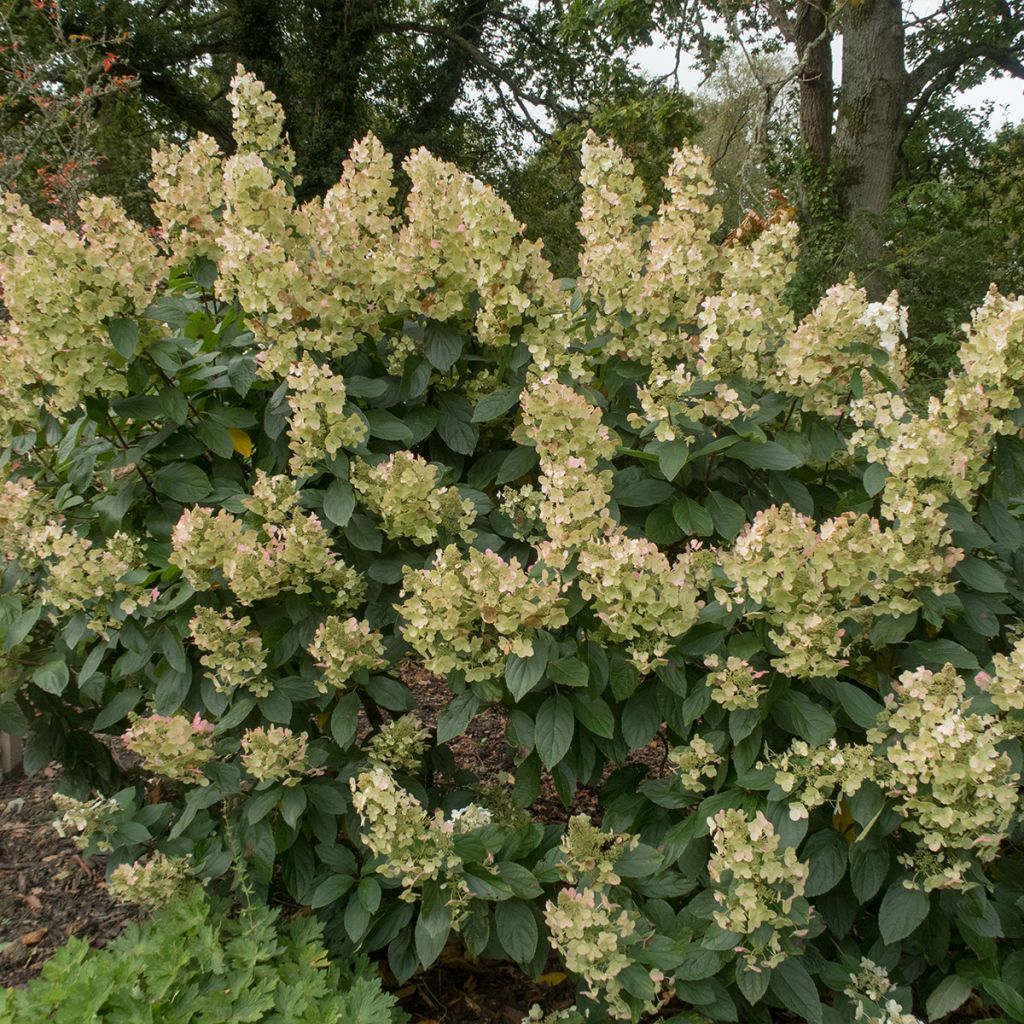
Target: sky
{"x":1006,"y":94}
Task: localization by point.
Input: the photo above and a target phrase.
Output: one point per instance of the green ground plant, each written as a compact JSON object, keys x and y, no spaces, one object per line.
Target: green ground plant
{"x":257,"y":458}
{"x":190,"y":963}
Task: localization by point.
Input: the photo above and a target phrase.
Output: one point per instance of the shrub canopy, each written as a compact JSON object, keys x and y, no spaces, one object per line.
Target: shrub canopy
{"x":257,"y":458}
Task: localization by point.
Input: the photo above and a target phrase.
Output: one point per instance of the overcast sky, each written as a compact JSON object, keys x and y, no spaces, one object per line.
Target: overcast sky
{"x":1007,"y":94}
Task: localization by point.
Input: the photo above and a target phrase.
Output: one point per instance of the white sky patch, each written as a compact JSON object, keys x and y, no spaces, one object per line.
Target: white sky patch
{"x":1006,"y":94}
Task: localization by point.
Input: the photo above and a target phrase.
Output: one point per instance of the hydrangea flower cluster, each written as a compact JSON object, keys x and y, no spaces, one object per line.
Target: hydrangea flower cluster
{"x":343,"y":647}
{"x":413,"y":846}
{"x":471,"y":817}
{"x":403,"y":490}
{"x":756,"y":886}
{"x":734,"y":684}
{"x":470,"y":610}
{"x":869,"y":990}
{"x":188,"y":186}
{"x":811,"y":775}
{"x":946,"y":448}
{"x":696,"y":764}
{"x":233,"y":654}
{"x":461,"y":239}
{"x":319,"y":427}
{"x":275,"y":754}
{"x":88,"y":823}
{"x":60,"y":287}
{"x":174,"y":746}
{"x":151,"y":884}
{"x":22,"y":517}
{"x":641,"y":599}
{"x":589,"y":854}
{"x":399,"y":745}
{"x":594,"y":935}
{"x":571,"y":443}
{"x":219,"y":550}
{"x":805,"y":579}
{"x":954,"y":784}
{"x":840,"y":341}
{"x":102,"y":581}
{"x":1006,"y":685}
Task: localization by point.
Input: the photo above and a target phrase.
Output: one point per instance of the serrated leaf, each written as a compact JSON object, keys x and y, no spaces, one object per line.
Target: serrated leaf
{"x":442,"y":345}
{"x":767,"y":455}
{"x":455,"y":718}
{"x":125,"y":336}
{"x":52,"y":676}
{"x":901,"y":912}
{"x":517,"y":929}
{"x":182,"y":482}
{"x":523,"y":674}
{"x":553,"y":729}
{"x":496,"y":404}
{"x":339,"y":502}
{"x":950,"y":994}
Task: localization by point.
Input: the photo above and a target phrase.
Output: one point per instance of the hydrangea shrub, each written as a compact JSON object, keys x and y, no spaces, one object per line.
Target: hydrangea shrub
{"x":256,"y":458}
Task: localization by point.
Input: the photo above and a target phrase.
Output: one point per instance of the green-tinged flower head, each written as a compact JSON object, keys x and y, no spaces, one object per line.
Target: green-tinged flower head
{"x":755,"y":886}
{"x":343,"y":647}
{"x":870,"y":991}
{"x":735,"y":684}
{"x":696,"y":764}
{"x":404,"y":491}
{"x":953,"y":783}
{"x":319,"y":427}
{"x":641,"y":599}
{"x":276,"y":754}
{"x":594,"y":936}
{"x":232,"y":654}
{"x":219,"y":550}
{"x":413,"y":845}
{"x":83,"y":577}
{"x":470,"y":610}
{"x":589,"y":853}
{"x":810,"y":775}
{"x":153,"y":883}
{"x":399,"y":745}
{"x":174,"y":746}
{"x":88,"y":823}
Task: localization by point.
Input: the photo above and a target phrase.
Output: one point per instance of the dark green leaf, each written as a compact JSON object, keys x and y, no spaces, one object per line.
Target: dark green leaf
{"x":339,"y":502}
{"x":727,"y":515}
{"x":52,"y":676}
{"x":387,"y":426}
{"x":443,"y":345}
{"x":523,"y":674}
{"x":117,"y":709}
{"x":793,"y":985}
{"x":769,"y":455}
{"x":517,"y":929}
{"x":182,"y":482}
{"x":456,"y":716}
{"x":496,"y":404}
{"x":125,"y":336}
{"x":901,"y":912}
{"x":553,"y":730}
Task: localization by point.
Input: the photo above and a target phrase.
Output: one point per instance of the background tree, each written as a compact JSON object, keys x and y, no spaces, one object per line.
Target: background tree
{"x":897,"y":66}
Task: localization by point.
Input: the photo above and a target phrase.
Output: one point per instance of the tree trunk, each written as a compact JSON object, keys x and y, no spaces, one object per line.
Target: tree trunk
{"x":814,"y":51}
{"x":872,"y":104}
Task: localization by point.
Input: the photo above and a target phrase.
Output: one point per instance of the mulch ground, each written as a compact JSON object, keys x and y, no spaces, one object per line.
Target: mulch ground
{"x":49,"y":893}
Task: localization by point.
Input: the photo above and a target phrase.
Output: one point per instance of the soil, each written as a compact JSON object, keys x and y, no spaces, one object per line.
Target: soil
{"x":47,"y":892}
